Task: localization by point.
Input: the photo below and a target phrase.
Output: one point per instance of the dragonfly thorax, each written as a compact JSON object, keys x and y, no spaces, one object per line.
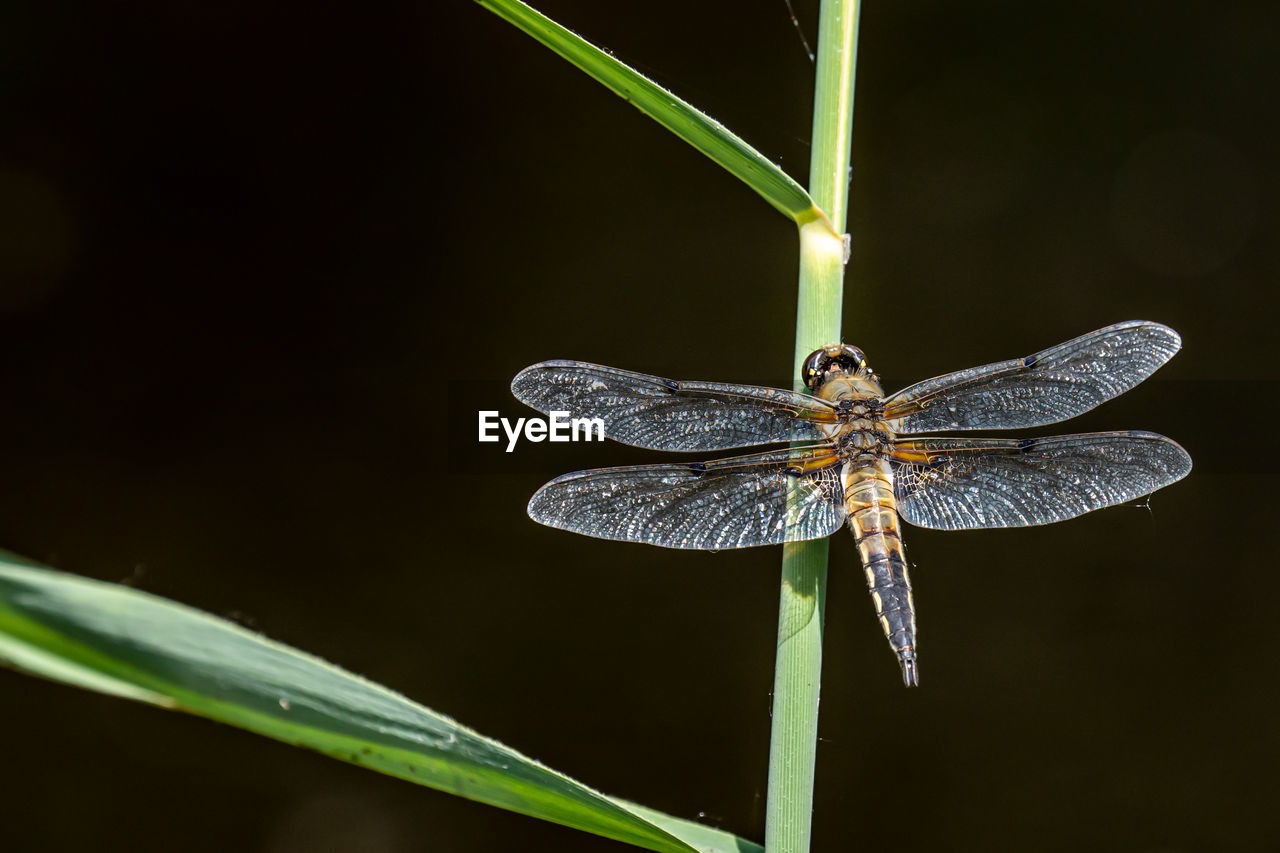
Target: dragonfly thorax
{"x":859,"y":392}
{"x":865,"y":438}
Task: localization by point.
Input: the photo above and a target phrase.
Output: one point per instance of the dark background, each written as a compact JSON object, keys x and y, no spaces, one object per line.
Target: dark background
{"x":260,"y":264}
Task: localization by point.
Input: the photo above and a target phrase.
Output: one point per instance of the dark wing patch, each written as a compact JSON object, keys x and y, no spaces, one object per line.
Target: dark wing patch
{"x":727,"y":503}
{"x":961,"y":484}
{"x":664,"y":414}
{"x":1050,"y":386}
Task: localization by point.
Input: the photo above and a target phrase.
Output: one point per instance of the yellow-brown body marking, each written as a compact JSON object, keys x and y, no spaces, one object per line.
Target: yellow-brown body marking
{"x":873,"y":512}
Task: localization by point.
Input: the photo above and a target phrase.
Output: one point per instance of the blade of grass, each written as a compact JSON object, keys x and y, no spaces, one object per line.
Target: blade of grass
{"x":798,"y":669}
{"x":676,"y":115}
{"x":138,"y":646}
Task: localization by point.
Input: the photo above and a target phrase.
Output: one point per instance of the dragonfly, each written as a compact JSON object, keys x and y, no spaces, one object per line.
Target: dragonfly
{"x":856,"y":456}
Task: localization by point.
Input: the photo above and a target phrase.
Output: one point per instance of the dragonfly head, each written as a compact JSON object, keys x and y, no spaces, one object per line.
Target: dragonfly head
{"x":831,"y":361}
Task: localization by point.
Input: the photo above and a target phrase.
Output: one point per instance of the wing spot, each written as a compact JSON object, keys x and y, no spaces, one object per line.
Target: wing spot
{"x":1030,"y":361}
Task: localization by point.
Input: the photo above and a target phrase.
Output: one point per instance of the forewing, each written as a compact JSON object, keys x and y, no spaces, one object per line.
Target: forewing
{"x":728,"y":503}
{"x":1050,"y":386}
{"x":961,"y":484}
{"x":664,"y":414}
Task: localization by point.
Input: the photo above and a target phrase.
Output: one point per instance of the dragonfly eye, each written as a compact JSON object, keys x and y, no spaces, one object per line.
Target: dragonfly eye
{"x":840,"y":357}
{"x":814,"y":367}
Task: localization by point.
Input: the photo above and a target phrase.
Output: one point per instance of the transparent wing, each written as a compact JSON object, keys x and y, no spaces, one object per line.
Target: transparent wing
{"x":664,"y":414}
{"x":1050,"y":386}
{"x":764,"y":499}
{"x":961,"y":484}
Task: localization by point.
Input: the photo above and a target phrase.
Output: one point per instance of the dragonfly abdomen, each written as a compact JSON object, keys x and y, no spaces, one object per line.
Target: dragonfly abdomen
{"x":873,"y":518}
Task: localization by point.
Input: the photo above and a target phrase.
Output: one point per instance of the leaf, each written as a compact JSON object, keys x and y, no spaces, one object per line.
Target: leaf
{"x":676,"y":115}
{"x":138,"y":646}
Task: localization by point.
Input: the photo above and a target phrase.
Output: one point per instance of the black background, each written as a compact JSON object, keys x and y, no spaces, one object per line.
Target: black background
{"x":261,"y":263}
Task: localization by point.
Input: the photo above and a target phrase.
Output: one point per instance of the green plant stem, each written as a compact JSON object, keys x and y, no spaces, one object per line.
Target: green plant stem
{"x":798,"y":670}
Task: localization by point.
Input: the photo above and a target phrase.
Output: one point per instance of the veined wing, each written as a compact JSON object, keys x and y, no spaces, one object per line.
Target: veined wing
{"x":1050,"y":386}
{"x":961,"y":483}
{"x":763,"y":499}
{"x":664,"y":414}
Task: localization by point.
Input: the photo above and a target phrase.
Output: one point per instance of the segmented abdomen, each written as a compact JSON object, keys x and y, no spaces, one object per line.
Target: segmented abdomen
{"x":873,"y":518}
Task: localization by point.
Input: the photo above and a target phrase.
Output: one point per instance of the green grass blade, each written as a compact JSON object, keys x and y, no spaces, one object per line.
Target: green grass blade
{"x":693,"y":126}
{"x":131,"y":644}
